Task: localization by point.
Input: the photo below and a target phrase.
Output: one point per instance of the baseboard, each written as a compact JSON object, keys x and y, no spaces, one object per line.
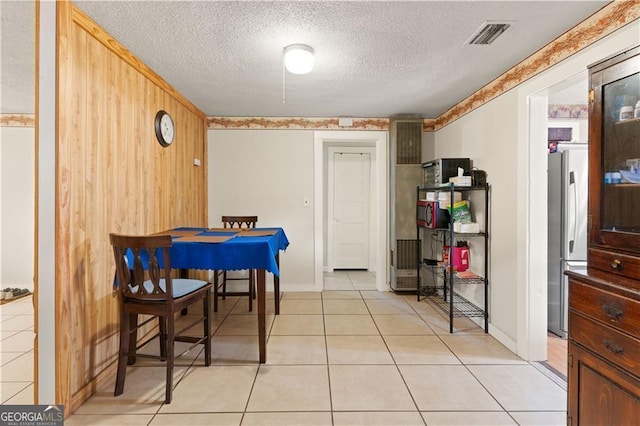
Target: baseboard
{"x":501,"y":337}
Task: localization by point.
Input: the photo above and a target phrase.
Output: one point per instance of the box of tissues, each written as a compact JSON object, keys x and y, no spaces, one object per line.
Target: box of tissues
{"x":460,"y":180}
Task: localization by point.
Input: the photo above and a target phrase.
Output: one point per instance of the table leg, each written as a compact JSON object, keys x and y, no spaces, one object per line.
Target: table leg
{"x":262,"y":333}
{"x":276,"y":286}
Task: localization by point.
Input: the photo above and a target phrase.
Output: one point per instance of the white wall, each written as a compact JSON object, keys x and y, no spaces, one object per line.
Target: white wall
{"x":267,"y":173}
{"x":17,"y":159}
{"x":428,"y":146}
{"x":496,"y":137}
{"x":487,"y":136}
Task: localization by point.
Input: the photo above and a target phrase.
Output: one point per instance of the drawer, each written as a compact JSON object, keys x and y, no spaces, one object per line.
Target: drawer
{"x":615,"y":263}
{"x":616,"y":310}
{"x":620,"y":349}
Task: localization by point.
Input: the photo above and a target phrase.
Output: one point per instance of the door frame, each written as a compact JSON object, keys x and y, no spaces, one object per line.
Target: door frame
{"x":332,"y":150}
{"x":46,"y":300}
{"x":322,"y":141}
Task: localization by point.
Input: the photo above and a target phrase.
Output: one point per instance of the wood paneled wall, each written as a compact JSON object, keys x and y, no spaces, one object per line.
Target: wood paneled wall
{"x":112,"y":176}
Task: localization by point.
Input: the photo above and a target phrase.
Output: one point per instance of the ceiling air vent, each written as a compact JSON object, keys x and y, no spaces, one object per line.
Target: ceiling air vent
{"x":488,"y":32}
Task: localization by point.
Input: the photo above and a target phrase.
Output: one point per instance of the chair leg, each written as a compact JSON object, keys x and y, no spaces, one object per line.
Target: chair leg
{"x":133,"y":338}
{"x":170,"y":355}
{"x":123,"y":353}
{"x":162,"y":325}
{"x":207,"y":331}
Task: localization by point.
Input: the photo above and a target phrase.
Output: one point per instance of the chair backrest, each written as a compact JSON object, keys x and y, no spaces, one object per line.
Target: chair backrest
{"x":239,"y":221}
{"x":143,"y":266}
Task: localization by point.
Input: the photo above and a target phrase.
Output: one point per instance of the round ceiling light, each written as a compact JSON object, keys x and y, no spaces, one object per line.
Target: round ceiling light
{"x":298,"y":58}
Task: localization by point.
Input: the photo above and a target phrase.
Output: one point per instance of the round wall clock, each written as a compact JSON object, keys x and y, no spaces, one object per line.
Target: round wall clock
{"x":165,"y":129}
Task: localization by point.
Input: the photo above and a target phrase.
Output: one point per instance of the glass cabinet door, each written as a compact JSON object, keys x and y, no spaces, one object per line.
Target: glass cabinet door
{"x":620,"y":202}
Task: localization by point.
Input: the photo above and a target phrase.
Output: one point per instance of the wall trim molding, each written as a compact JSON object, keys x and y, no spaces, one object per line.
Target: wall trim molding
{"x":297,"y":123}
{"x":17,"y":120}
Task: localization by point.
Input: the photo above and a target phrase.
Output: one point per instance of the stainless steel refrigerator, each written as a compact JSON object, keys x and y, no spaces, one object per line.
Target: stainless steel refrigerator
{"x":567,"y":234}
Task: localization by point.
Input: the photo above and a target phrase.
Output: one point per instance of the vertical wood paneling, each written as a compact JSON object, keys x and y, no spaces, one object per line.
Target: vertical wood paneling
{"x":80,"y":294}
{"x":100,"y":318}
{"x":112,"y":176}
{"x":64,"y":160}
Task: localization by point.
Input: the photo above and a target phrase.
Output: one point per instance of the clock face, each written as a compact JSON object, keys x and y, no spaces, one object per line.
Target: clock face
{"x":165,"y":129}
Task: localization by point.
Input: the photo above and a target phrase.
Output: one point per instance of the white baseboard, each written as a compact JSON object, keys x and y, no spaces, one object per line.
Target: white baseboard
{"x":501,"y":337}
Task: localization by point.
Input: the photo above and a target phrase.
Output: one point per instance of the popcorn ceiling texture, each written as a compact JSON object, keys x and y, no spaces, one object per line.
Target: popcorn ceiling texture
{"x":373,"y":59}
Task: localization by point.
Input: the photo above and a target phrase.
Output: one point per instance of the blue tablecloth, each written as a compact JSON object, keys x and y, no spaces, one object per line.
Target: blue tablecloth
{"x":246,"y":252}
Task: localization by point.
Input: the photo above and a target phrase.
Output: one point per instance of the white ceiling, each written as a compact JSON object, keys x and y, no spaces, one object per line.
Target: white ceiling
{"x":373,"y":58}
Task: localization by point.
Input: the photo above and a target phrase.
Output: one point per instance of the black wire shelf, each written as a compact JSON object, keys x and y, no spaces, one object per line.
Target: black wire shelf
{"x":461,"y":306}
{"x":439,"y":283}
{"x":441,"y":273}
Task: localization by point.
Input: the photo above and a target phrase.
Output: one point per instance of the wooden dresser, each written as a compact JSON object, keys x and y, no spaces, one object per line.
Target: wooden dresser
{"x":604,"y":303}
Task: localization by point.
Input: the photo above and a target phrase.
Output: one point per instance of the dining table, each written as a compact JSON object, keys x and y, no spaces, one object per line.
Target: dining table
{"x":233,"y":249}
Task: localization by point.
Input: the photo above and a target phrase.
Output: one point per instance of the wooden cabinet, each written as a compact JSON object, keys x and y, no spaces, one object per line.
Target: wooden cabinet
{"x":602,"y":394}
{"x":604,"y":303}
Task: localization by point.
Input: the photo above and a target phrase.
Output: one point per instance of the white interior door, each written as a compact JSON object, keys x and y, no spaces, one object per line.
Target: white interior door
{"x":351,"y":206}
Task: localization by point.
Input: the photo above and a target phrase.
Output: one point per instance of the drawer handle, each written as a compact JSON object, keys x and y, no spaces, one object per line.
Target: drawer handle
{"x":613,"y":347}
{"x":612,"y":312}
{"x":616,"y":264}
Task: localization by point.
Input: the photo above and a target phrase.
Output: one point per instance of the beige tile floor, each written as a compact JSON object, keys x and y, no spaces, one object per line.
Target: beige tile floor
{"x":347,"y":356}
{"x":16,"y":352}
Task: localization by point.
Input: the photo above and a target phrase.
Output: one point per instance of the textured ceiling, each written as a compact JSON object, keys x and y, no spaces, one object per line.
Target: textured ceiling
{"x":17,"y":57}
{"x":373,"y":58}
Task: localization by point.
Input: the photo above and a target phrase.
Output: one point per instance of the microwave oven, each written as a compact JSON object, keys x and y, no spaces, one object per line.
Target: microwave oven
{"x":436,"y":172}
{"x":429,"y":215}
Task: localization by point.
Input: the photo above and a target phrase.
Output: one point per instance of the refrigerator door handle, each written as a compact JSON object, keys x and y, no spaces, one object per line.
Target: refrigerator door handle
{"x":573,"y":205}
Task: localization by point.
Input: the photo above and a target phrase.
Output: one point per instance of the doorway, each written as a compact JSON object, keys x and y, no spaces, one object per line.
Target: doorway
{"x":350,"y":185}
{"x":562,"y":104}
{"x":369,"y":141}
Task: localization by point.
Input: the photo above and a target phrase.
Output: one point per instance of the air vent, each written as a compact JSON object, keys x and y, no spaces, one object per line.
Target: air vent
{"x":407,"y":250}
{"x":488,"y":32}
{"x":408,"y":142}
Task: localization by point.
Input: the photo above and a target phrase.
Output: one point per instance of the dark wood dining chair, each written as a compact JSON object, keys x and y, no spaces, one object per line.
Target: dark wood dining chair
{"x":146,"y":287}
{"x":222,"y":278}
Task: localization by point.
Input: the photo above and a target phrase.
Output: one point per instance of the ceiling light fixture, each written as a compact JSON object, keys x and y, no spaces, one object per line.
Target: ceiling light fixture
{"x":298,"y":58}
